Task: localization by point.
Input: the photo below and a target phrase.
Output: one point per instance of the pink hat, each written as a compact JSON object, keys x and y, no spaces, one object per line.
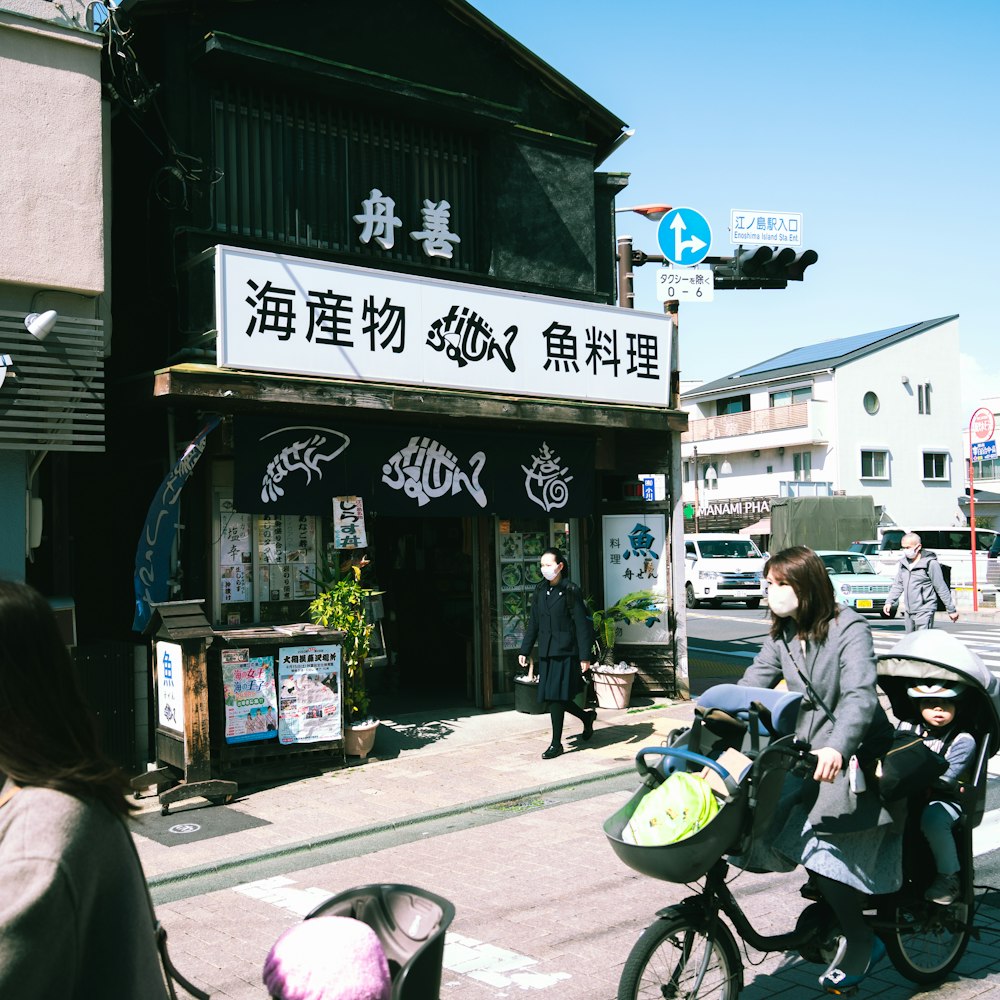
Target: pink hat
{"x":328,"y":958}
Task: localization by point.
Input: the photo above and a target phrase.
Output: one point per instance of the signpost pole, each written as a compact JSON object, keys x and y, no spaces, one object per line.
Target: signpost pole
{"x":982,"y":425}
{"x":972,"y":520}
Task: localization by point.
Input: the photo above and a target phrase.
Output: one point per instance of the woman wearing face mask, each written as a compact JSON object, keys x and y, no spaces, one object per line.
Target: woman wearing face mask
{"x":831,"y":824}
{"x":560,"y":624}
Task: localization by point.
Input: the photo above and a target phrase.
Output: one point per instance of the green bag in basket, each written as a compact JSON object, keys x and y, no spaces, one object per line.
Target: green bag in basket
{"x":671,"y":812}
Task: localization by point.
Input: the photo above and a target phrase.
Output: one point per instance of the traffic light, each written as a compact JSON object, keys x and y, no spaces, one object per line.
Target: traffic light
{"x":761,"y":267}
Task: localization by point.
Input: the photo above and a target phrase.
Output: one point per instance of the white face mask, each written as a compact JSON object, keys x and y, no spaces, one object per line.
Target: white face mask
{"x":781,"y":599}
{"x":550,"y":572}
{"x":912,"y":554}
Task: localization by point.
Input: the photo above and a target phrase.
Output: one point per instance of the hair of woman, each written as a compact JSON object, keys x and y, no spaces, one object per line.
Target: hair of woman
{"x":48,"y":736}
{"x":559,"y":558}
{"x":804,"y":571}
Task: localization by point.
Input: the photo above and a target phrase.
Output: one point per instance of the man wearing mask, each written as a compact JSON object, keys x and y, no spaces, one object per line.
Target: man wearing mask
{"x":920,"y":582}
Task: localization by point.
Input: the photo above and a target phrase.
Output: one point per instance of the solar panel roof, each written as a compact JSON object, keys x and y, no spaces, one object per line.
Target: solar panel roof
{"x":814,"y":353}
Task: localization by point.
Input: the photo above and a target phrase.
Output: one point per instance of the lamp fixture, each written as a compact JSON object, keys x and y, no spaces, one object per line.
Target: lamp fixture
{"x":40,"y":325}
{"x":905,"y":379}
{"x":652,"y":212}
{"x":726,"y":469}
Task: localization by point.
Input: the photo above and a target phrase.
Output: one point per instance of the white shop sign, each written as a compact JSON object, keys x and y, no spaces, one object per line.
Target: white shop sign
{"x":634,"y":559}
{"x":170,"y":685}
{"x":297,"y":316}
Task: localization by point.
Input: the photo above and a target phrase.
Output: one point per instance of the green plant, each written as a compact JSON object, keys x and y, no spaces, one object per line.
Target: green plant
{"x":342,"y":606}
{"x":641,"y":607}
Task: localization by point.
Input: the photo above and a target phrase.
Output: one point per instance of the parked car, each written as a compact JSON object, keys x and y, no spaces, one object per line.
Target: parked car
{"x":722,"y":567}
{"x":855,"y":582}
{"x":867,"y":546}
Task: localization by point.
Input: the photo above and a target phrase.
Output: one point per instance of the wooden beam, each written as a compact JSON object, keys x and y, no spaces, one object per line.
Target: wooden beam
{"x":230,"y":391}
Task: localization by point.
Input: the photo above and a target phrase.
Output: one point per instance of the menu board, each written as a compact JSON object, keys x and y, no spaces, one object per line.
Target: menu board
{"x":520,"y":573}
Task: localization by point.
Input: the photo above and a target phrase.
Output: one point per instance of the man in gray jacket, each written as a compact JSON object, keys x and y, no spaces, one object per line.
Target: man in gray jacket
{"x":920,"y":581}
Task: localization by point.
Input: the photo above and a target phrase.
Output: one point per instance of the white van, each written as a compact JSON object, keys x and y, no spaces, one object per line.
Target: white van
{"x":951,"y":545}
{"x":720,"y":567}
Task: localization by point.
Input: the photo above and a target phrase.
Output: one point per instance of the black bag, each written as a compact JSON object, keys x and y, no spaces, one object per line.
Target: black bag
{"x":909,"y":767}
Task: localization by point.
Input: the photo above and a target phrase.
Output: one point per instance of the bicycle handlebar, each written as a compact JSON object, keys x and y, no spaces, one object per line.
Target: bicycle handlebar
{"x":732,"y":787}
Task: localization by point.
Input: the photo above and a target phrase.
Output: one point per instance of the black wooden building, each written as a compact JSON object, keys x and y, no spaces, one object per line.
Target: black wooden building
{"x":418,"y":144}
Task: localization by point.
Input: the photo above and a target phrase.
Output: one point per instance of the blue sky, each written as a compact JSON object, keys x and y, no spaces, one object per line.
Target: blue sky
{"x":877,"y":121}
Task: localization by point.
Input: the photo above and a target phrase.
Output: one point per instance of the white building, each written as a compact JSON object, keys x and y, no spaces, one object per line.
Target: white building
{"x":875,"y":413}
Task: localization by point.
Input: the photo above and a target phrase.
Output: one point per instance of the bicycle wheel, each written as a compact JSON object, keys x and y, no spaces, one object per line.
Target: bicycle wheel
{"x":926,"y":941}
{"x":676,"y":958}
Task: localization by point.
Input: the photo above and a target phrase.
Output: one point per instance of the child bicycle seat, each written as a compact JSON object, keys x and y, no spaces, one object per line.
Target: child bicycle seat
{"x":411,"y":925}
{"x":738,"y":700}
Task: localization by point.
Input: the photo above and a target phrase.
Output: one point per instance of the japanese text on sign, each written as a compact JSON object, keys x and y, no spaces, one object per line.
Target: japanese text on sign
{"x":633,"y":557}
{"x":689,"y":283}
{"x":285,"y":314}
{"x":774,"y":228}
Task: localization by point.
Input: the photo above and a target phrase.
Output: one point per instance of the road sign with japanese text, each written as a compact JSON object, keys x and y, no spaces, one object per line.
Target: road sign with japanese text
{"x":983,"y":450}
{"x":774,"y":228}
{"x":690,"y":284}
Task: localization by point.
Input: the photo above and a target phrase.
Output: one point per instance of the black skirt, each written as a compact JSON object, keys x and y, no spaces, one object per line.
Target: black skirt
{"x":559,"y":678}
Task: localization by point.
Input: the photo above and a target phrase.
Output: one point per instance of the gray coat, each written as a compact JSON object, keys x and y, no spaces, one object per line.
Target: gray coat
{"x":831,"y":829}
{"x":921,"y":583}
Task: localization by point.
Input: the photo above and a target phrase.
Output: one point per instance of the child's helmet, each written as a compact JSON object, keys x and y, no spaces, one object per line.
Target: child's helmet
{"x":949,"y":691}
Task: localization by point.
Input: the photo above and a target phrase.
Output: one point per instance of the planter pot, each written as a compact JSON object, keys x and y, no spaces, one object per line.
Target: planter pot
{"x":613,"y":690}
{"x":359,"y":739}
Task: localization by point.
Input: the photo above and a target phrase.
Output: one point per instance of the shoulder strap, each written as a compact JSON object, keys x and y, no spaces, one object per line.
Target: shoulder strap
{"x":813,"y":694}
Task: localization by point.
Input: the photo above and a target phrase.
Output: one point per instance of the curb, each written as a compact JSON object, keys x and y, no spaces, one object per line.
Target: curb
{"x":345,"y":836}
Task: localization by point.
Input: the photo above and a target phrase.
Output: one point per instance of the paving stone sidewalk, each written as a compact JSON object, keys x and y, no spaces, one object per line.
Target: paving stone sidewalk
{"x":423,"y":764}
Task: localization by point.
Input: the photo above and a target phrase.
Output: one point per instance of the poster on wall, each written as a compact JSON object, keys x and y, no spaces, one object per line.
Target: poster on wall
{"x":309,"y":694}
{"x":235,"y":554}
{"x":250,"y":698}
{"x":633,"y":554}
{"x":349,"y":523}
{"x":170,"y":685}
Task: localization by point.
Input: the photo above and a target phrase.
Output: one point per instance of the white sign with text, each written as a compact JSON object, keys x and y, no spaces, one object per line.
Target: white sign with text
{"x":293,"y":315}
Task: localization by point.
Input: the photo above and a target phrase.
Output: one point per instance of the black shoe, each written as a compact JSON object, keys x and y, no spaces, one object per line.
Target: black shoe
{"x":811,"y":890}
{"x":588,"y":725}
{"x":554,"y":750}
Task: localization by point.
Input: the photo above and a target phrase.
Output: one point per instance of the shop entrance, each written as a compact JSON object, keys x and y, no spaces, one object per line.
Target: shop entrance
{"x":425,"y":567}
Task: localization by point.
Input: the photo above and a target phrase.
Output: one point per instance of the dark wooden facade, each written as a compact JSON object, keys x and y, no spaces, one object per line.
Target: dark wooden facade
{"x":263,"y":125}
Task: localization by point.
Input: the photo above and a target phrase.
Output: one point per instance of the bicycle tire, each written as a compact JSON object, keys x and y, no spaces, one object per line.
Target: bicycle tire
{"x":670,"y":954}
{"x":925,"y":941}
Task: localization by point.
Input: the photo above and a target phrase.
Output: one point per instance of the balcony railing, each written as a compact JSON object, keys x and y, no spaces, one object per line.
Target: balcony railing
{"x":774,"y":418}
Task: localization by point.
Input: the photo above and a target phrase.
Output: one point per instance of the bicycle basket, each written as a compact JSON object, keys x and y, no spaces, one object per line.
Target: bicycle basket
{"x":690,"y":858}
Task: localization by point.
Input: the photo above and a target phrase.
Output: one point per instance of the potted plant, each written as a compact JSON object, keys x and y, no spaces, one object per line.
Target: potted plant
{"x":341,"y":605}
{"x":613,"y":681}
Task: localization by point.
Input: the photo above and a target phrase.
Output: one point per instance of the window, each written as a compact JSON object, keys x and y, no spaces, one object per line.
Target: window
{"x":874,"y":465}
{"x":786,"y":397}
{"x":871,"y":403}
{"x":985,"y":468}
{"x":802,"y":466}
{"x":734,"y":404}
{"x":924,"y":400}
{"x":936,"y":465}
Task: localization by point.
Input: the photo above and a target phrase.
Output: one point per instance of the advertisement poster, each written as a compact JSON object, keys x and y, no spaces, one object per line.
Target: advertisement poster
{"x":349,"y":523}
{"x":170,"y":685}
{"x":309,"y":692}
{"x":634,"y":559}
{"x":250,"y":697}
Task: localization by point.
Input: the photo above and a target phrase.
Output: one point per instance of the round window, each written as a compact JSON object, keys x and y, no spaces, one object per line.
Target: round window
{"x":871,"y":402}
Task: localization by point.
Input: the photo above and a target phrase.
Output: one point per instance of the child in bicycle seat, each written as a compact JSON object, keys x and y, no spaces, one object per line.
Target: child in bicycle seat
{"x":937,"y":705}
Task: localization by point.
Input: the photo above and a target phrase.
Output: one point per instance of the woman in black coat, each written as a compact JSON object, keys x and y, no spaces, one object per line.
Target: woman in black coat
{"x":560,"y":624}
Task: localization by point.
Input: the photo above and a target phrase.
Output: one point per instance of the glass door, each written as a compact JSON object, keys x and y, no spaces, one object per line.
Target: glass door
{"x":518,"y":544}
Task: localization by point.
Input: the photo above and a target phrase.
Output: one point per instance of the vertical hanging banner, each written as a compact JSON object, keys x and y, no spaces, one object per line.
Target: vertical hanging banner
{"x":633,"y":555}
{"x":349,"y":523}
{"x":152,"y":556}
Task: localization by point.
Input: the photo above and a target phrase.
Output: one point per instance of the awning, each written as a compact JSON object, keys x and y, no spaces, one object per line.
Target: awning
{"x":761,"y":527}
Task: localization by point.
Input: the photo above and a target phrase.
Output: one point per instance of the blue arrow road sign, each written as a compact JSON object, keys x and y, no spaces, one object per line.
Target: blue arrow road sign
{"x":685,"y":237}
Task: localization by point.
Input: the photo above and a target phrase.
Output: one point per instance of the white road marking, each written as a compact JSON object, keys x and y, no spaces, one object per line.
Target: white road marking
{"x":986,"y":836}
{"x":486,"y":963}
{"x":494,"y":966}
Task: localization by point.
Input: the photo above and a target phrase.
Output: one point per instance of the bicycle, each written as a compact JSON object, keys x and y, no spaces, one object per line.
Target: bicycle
{"x":689,"y":950}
